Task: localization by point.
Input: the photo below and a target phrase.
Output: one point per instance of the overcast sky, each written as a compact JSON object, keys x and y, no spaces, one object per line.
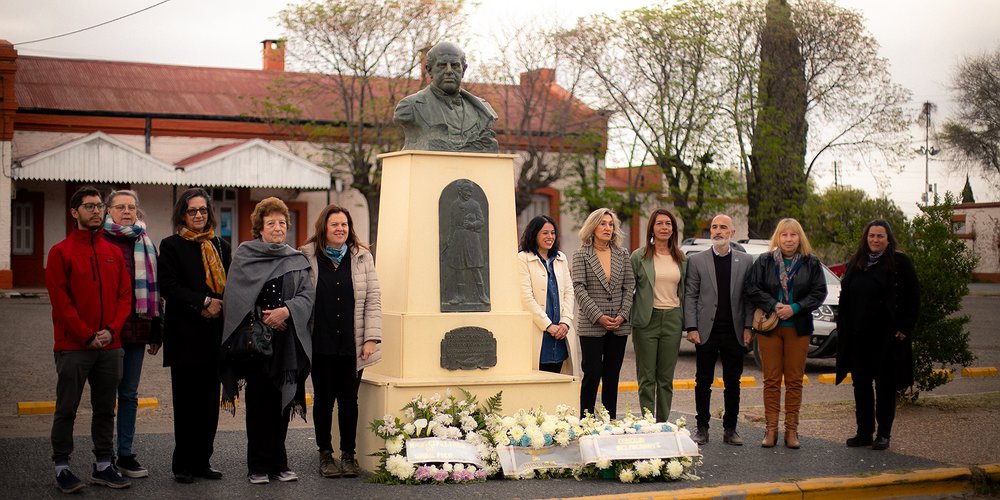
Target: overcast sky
{"x":923,"y":40}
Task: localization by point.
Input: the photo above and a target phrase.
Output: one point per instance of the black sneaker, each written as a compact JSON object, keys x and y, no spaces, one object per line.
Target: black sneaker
{"x":130,"y":467}
{"x":68,"y":482}
{"x":109,"y":477}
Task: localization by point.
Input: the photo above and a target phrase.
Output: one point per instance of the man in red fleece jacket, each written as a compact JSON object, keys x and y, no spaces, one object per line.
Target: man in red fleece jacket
{"x":91,"y":295}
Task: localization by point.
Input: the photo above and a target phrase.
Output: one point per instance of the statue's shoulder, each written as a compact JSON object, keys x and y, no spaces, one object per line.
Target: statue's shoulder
{"x":480,"y":103}
{"x":404,"y":108}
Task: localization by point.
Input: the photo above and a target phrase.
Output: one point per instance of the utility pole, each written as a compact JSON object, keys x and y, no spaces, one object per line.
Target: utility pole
{"x":927,"y":150}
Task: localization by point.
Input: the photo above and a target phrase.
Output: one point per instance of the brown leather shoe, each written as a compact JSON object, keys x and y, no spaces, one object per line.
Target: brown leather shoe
{"x":730,"y":436}
{"x":792,"y":440}
{"x":770,"y":438}
{"x":329,"y":466}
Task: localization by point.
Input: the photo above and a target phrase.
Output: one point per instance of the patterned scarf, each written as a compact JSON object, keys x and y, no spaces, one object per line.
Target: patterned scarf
{"x":215,"y":274}
{"x":873,"y":259}
{"x":145,"y":290}
{"x":785,"y":274}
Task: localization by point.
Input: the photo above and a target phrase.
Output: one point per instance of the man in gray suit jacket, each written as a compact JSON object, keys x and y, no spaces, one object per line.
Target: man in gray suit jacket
{"x":718,"y":320}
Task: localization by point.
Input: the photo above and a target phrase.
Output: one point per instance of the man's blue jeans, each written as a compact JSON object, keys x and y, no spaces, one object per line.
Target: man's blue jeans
{"x":128,"y":396}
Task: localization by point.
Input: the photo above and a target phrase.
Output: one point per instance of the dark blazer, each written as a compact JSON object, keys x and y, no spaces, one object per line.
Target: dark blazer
{"x":701,"y":294}
{"x":875,"y":304}
{"x":188,"y":338}
{"x":597,"y":296}
{"x":808,"y":289}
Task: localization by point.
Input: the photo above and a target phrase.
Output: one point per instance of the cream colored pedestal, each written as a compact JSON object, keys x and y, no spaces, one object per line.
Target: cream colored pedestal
{"x":412,"y":324}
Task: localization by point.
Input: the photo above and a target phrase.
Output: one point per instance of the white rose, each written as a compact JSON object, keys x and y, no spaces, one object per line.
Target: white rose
{"x":603,"y":464}
{"x":410,"y":429}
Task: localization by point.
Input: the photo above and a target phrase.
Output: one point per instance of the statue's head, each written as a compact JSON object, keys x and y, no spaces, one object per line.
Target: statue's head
{"x":446,"y":65}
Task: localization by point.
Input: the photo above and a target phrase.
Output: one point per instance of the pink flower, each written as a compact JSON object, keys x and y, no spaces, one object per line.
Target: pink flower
{"x":440,"y":475}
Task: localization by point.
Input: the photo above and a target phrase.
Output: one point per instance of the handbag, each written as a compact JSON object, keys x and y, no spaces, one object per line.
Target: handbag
{"x":764,"y":321}
{"x":252,"y":339}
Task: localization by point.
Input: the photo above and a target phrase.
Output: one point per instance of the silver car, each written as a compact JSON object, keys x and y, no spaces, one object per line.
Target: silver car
{"x":823,"y":343}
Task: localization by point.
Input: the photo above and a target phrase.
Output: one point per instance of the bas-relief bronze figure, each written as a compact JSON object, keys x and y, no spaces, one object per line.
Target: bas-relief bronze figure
{"x":463,"y":213}
{"x":444,"y":116}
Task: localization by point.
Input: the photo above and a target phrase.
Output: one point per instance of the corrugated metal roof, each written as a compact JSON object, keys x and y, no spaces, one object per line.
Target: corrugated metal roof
{"x":252,"y":164}
{"x":97,"y":157}
{"x":44,"y":83}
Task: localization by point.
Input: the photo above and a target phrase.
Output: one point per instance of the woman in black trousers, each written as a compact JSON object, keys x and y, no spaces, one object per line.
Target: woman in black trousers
{"x":604,"y":284}
{"x":192,"y":271}
{"x":879,"y":301}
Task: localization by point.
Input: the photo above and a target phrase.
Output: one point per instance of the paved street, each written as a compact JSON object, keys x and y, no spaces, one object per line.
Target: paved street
{"x":26,"y":364}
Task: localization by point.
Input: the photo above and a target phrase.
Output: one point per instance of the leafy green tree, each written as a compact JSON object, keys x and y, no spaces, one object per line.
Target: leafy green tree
{"x":776,"y":181}
{"x":944,"y":268}
{"x":835,"y":218}
{"x":587,"y":192}
{"x":853,"y":108}
{"x":655,"y":68}
{"x":975,"y":131}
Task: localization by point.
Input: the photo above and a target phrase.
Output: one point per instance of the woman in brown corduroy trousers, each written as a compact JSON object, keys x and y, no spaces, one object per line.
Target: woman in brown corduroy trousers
{"x":788,"y":281}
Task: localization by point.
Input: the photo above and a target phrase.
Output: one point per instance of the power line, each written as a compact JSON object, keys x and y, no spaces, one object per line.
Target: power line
{"x":94,"y":26}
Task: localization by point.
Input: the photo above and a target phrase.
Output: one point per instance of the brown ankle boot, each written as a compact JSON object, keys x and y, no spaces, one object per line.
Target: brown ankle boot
{"x":770,"y":438}
{"x":792,"y":439}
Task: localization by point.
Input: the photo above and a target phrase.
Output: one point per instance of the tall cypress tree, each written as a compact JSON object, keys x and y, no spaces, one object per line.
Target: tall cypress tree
{"x":776,"y":183}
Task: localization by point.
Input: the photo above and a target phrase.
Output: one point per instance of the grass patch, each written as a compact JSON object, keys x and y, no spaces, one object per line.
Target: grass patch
{"x":980,"y":401}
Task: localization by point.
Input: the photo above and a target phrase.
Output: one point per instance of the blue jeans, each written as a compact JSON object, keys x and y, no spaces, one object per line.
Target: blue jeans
{"x":128,"y":396}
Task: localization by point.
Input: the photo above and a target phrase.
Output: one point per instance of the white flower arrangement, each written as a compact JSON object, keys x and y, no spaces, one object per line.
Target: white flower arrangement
{"x":483,"y":427}
{"x":633,"y":471}
{"x":447,"y":417}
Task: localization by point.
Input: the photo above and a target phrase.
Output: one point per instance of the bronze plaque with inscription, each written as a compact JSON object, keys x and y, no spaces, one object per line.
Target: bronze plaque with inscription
{"x":468,"y":348}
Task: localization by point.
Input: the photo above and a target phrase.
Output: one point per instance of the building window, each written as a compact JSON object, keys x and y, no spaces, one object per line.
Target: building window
{"x":22,"y":228}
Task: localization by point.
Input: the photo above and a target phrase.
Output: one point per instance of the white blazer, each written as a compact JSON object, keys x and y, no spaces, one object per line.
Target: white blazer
{"x":534,"y":287}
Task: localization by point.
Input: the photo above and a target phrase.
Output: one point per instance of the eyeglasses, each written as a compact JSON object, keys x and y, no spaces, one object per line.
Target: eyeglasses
{"x":195,"y":211}
{"x":122,"y":208}
{"x":92,"y":207}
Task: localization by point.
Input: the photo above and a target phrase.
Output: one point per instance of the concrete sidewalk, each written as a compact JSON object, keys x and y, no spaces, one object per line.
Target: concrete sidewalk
{"x":819,"y":467}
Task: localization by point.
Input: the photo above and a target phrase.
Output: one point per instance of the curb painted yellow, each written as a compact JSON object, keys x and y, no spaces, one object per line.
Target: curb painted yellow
{"x":49,"y":407}
{"x":989,"y":371}
{"x":686,"y":383}
{"x":148,"y":403}
{"x":927,"y":482}
{"x":36,"y":407}
{"x":744,"y":382}
{"x":946,"y":372}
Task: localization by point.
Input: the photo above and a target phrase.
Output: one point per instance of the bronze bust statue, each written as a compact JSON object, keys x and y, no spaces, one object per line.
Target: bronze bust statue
{"x":444,"y":116}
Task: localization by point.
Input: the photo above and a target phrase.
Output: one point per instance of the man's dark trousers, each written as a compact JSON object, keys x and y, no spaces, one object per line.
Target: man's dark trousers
{"x":102,"y":369}
{"x":720,"y":344}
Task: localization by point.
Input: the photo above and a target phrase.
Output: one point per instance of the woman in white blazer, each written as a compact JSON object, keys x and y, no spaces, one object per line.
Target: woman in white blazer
{"x":547,"y":293}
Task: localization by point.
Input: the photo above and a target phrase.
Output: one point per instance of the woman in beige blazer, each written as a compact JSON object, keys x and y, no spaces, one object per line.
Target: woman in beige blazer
{"x":603,"y":282}
{"x":547,"y":293}
{"x":346,"y":328}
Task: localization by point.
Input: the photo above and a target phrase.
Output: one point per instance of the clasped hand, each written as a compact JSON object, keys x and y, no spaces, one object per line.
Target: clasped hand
{"x":610,"y":323}
{"x":784,"y":311}
{"x":275,"y":318}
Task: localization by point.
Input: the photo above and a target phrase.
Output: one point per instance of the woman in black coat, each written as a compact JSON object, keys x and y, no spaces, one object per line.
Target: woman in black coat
{"x":192,"y":271}
{"x":879,"y":300}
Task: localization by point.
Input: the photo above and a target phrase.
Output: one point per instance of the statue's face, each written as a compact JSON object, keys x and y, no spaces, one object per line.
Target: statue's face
{"x":447,"y":72}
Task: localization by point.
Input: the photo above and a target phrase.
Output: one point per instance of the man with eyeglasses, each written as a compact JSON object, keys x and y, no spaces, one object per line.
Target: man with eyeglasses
{"x":91,"y":295}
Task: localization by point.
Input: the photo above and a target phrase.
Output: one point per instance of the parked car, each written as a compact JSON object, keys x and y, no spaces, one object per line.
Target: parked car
{"x":823,"y":343}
